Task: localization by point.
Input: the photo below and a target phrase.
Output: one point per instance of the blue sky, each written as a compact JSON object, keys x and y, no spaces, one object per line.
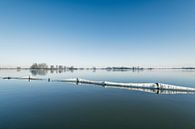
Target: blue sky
{"x":148,"y":33}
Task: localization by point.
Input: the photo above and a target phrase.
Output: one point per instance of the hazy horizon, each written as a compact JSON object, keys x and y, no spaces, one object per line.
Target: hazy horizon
{"x":86,"y":33}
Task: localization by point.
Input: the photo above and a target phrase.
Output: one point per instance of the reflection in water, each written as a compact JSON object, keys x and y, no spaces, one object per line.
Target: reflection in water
{"x":155,"y":91}
{"x":53,"y":71}
{"x":42,"y":72}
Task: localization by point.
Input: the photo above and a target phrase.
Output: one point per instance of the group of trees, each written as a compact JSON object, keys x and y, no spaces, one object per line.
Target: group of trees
{"x":39,"y":66}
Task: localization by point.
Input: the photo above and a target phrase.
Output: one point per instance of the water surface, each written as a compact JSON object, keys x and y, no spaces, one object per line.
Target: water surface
{"x":42,"y":104}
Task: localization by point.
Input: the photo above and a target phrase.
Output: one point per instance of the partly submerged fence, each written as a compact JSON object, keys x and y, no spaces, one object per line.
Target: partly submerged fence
{"x":158,"y":88}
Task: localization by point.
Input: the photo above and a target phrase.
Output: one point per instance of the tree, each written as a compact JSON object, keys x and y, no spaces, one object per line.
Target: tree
{"x":34,"y":66}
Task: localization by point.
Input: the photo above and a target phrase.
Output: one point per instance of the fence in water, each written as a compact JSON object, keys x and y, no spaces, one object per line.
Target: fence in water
{"x":158,"y":88}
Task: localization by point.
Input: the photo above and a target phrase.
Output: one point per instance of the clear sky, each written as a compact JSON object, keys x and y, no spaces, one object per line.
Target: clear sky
{"x":148,"y":33}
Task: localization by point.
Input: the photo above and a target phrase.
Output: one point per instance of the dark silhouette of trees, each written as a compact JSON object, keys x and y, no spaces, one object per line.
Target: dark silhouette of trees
{"x":39,"y":66}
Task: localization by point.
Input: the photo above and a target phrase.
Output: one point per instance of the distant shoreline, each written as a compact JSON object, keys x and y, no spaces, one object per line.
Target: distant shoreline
{"x":91,"y":68}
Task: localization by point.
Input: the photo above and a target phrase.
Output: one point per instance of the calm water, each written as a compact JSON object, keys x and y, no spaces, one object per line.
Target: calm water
{"x":57,"y":105}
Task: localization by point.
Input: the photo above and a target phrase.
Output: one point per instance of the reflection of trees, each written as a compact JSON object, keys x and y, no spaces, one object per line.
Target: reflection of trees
{"x":45,"y":71}
{"x":39,"y":72}
{"x":18,"y":69}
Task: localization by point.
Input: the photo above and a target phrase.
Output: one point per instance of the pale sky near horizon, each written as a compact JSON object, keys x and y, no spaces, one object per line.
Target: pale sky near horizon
{"x":147,"y":33}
